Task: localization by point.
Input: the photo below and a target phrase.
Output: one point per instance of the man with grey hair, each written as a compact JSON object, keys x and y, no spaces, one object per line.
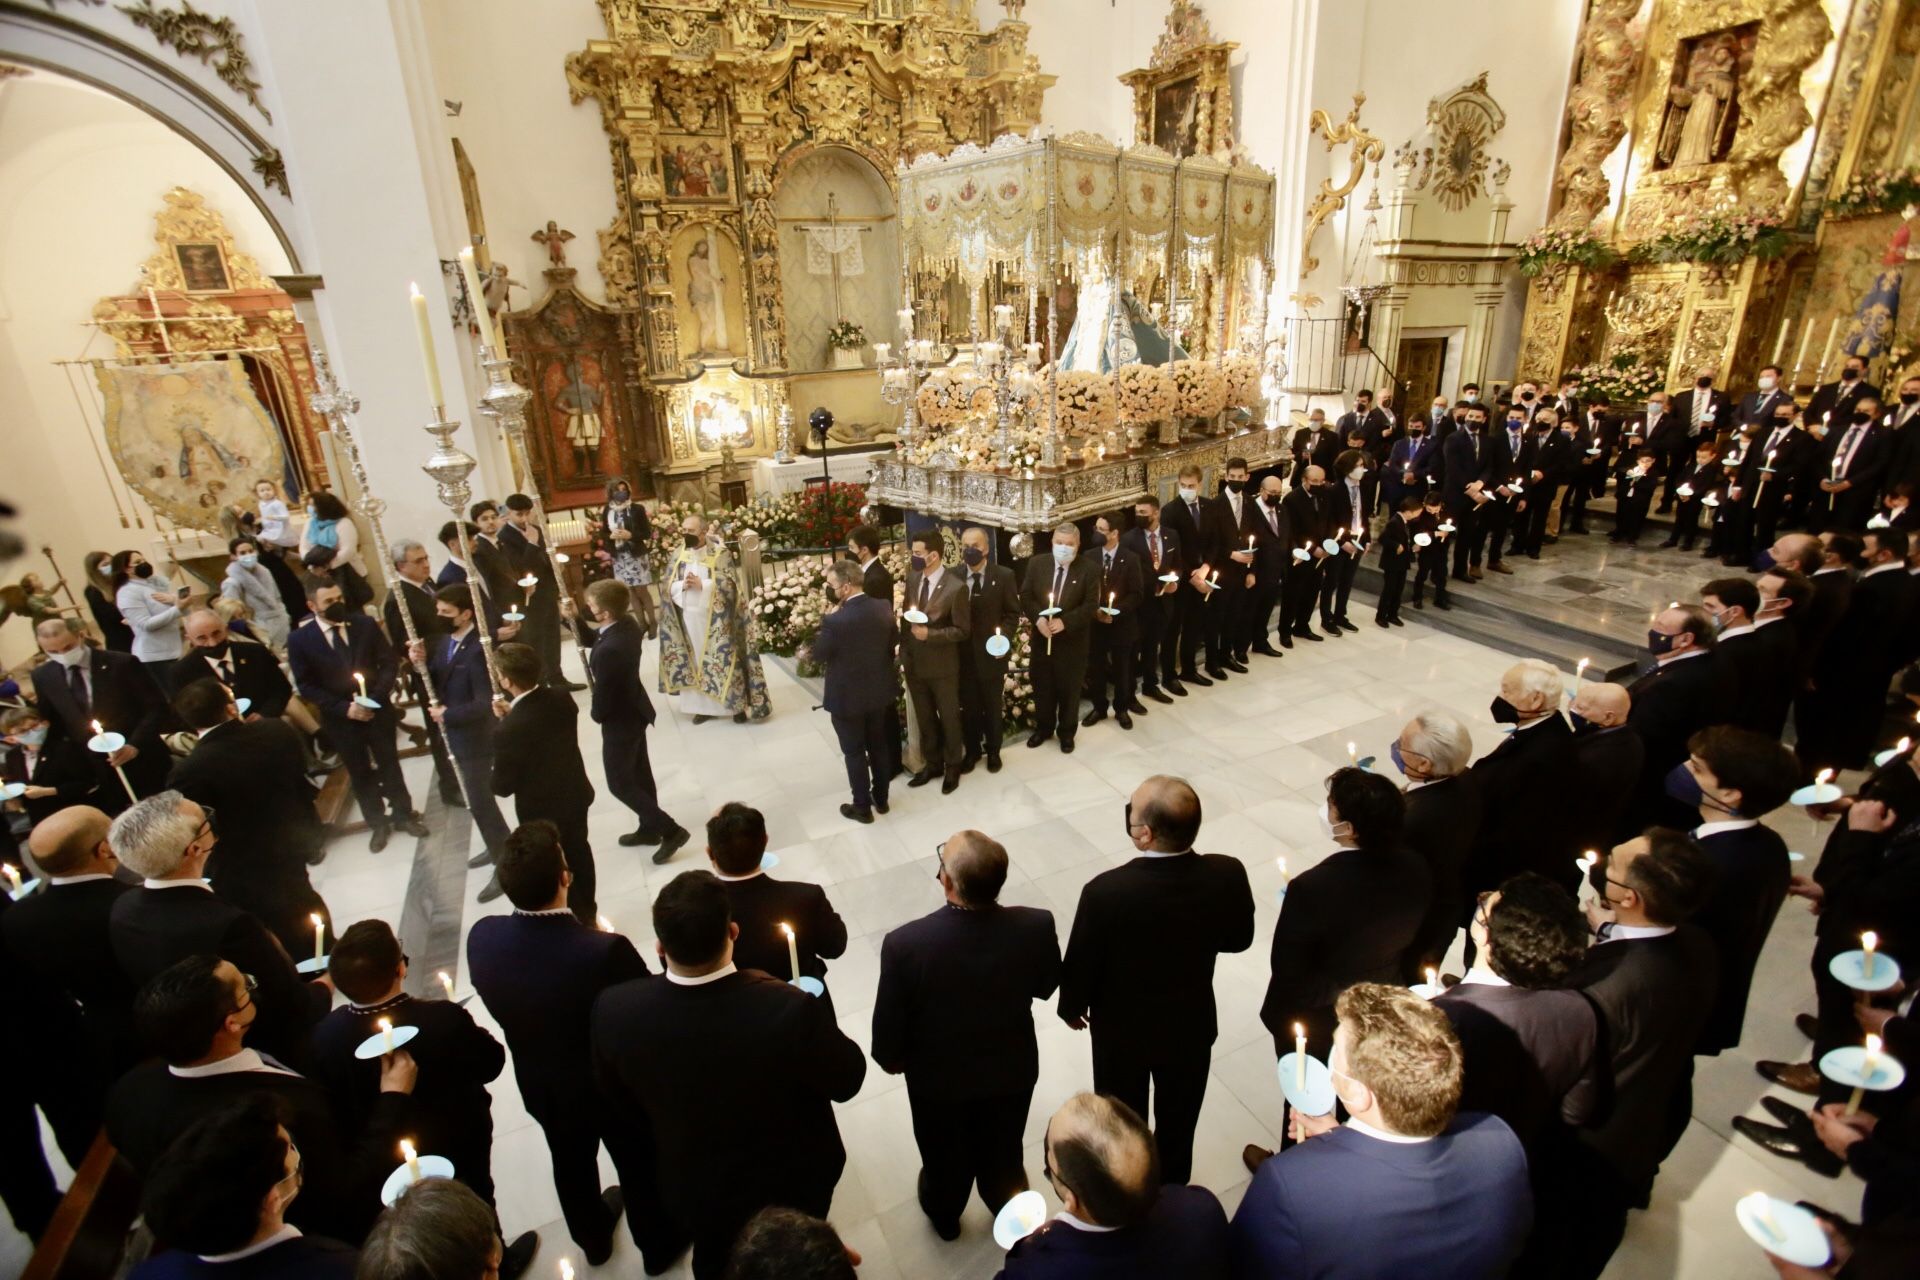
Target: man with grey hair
{"x":1443,"y":814}
{"x":1689,"y":689}
{"x":1524,"y":783}
{"x":954,"y":1012}
{"x":413,"y":589}
{"x":1059,"y":596}
{"x":248,"y":668}
{"x":167,"y":840}
{"x":81,"y":686}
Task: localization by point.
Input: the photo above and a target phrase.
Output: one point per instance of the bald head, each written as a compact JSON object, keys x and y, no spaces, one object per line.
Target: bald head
{"x":1103,"y":1161}
{"x":1800,"y":551}
{"x":976,"y":867}
{"x":205,"y":629}
{"x":72,"y":841}
{"x":1602,"y":704}
{"x":1313,"y":476}
{"x":1166,"y":811}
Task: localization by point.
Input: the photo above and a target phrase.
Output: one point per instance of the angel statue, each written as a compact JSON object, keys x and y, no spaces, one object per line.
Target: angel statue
{"x":1699,"y":109}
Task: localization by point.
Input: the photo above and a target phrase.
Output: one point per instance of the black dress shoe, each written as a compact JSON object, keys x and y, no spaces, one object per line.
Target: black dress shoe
{"x":1670,"y":542}
{"x":484,"y":858}
{"x":1443,"y":604}
{"x":859,"y":813}
{"x":1308,"y":633}
{"x":616,"y":1203}
{"x":739,"y":717}
{"x":1791,"y":1142}
{"x":415,"y":826}
{"x":1092,"y":718}
{"x":1122,"y":719}
{"x":1194,"y":677}
{"x":1783,"y":1111}
{"x":1038,"y":736}
{"x":1267,"y":651}
{"x":1347,"y":623}
{"x":1808,"y":1025}
{"x":634,"y":839}
{"x":1236,"y":666}
{"x":948,"y":1229}
{"x":1135,"y":709}
{"x":1381,"y":622}
{"x":675,"y":840}
{"x":951,"y":782}
{"x":518,"y":1256}
{"x":993,"y":762}
{"x":1218,"y":675}
{"x":492,"y":890}
{"x":880,"y":804}
{"x":1177,"y":689}
{"x":1066,"y":746}
{"x":571,"y":686}
{"x":1286,"y":640}
{"x":1419,"y":603}
{"x":970,"y":760}
{"x":381,"y":834}
{"x":1397,"y":620}
{"x":701,"y":719}
{"x":1157,"y":696}
{"x":922,"y":778}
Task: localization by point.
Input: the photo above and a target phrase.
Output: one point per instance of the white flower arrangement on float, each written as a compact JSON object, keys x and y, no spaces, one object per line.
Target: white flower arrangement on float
{"x":943,"y":400}
{"x":1085,"y":401}
{"x":1201,"y":388}
{"x":1241,"y":374}
{"x":784,"y":613}
{"x":1144,"y":394}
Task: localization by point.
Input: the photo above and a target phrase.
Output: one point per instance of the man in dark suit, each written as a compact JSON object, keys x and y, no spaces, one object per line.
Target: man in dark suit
{"x":1139,"y":964}
{"x":930,"y":659}
{"x":537,"y":762}
{"x":1558,"y":455}
{"x":457,"y":663}
{"x":1651,"y":977}
{"x":1417,"y":1186}
{"x":1784,"y":595}
{"x":198,"y":1016}
{"x":954,"y":1012}
{"x":1507,"y":462}
{"x":1267,"y":524}
{"x":167,"y":839}
{"x":1704,"y":413}
{"x":1528,"y":1046}
{"x":254,"y":774}
{"x":768,"y":911}
{"x":855,"y":645}
{"x":1442,"y":822}
{"x":1350,"y":918}
{"x":1349,"y":509}
{"x":1059,"y":597}
{"x":1160,"y":553}
{"x":1182,"y":520}
{"x":412,"y":588}
{"x":1377,"y":430}
{"x":1757,"y":406}
{"x":1307,"y":530}
{"x":1768,"y":477}
{"x":455,"y":1058}
{"x":539,"y":970}
{"x":80,"y":686}
{"x":1115,"y":634}
{"x":1463,"y":459}
{"x":863,"y":544}
{"x":1872,"y":641}
{"x":335,"y":655}
{"x":993,"y":609}
{"x":1833,"y":402}
{"x":624,"y":713}
{"x":56,"y":946}
{"x":734,"y":1071}
{"x":1608,"y":757}
{"x":1315,"y":444}
{"x":250,"y":670}
{"x":525,"y":544}
{"x":1119,"y":1220}
{"x":222,"y":1190}
{"x":1688,"y":689}
{"x":1524,"y":783}
{"x":499,"y":583}
{"x":1732,"y":604}
{"x":1225,"y":545}
{"x":1848,"y":483}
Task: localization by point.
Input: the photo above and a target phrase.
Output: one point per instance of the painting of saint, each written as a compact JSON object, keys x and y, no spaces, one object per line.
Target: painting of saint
{"x":1176,"y":116}
{"x":696,"y":169}
{"x":577,"y":403}
{"x":202,"y":268}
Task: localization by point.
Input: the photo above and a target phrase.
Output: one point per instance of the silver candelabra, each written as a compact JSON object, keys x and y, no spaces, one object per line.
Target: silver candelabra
{"x":451,"y":471}
{"x":901,"y":376}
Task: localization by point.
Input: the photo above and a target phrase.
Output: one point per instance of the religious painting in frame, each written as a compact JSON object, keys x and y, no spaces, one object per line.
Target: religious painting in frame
{"x":709,"y":293}
{"x":697,"y":169}
{"x":1176,"y":116}
{"x":203,"y":268}
{"x":583,"y":425}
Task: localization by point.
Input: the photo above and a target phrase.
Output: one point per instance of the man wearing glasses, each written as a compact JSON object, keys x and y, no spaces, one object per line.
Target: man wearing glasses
{"x":167,"y":840}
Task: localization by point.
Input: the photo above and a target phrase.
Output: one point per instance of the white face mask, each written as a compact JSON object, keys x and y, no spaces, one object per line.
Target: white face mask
{"x":1331,"y":828}
{"x":1766,"y":382}
{"x":71,"y":658}
{"x":1188,"y":493}
{"x":1654,"y":406}
{"x":1472,"y":397}
{"x":1356,"y":473}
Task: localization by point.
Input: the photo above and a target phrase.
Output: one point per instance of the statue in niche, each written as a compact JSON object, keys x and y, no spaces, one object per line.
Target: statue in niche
{"x":1703,"y":108}
{"x":704,"y":283}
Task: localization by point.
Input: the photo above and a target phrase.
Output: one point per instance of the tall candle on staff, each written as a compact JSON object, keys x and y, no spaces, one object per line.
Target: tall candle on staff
{"x":469,"y":272}
{"x":793,"y":950}
{"x":1299,"y":1057}
{"x":1780,"y":347}
{"x":319,"y":936}
{"x":423,"y":325}
{"x":1800,"y":358}
{"x":1833,"y":336}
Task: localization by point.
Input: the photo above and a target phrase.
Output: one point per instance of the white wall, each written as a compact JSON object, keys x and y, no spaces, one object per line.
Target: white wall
{"x":81,"y":176}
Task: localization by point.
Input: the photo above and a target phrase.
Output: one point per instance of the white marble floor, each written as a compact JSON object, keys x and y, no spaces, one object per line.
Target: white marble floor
{"x":1256,"y":750}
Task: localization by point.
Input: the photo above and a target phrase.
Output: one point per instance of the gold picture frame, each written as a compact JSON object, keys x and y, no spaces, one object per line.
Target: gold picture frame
{"x":203,"y":267}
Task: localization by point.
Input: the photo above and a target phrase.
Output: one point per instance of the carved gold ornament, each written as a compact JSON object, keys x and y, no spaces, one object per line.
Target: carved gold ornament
{"x":1598,"y":110}
{"x":1364,"y":149}
{"x":1463,"y":124}
{"x":185,"y":219}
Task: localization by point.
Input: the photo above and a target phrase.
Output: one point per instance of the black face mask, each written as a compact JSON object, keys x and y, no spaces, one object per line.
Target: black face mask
{"x":1850,"y":375}
{"x":692,"y":540}
{"x":1504,"y":712}
{"x":335,"y":612}
{"x":1233,"y":486}
{"x":1096,"y":540}
{"x":973,"y":556}
{"x":1860,"y":416}
{"x":1909,"y":397}
{"x":1526,"y":395}
{"x":217,"y":650}
{"x":143,"y":570}
{"x":1703,"y":383}
{"x":1783,"y":423}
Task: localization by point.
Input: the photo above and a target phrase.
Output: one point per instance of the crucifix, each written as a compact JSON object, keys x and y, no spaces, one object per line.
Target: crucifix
{"x":834,"y":250}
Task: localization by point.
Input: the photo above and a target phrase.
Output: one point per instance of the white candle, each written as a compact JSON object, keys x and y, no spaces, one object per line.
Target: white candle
{"x":793,"y":950}
{"x":1002,"y":316}
{"x":386,"y":1033}
{"x":1433,"y":980}
{"x":1110,"y":596}
{"x":603,"y":924}
{"x":566,"y":1270}
{"x":424,"y":325}
{"x":906,"y":320}
{"x":412,"y":1158}
{"x":1580,"y":669}
{"x":362,"y":682}
{"x":1282,"y":864}
{"x":446,"y":982}
{"x":13,"y":876}
{"x":1299,"y":1057}
{"x":319,"y":935}
{"x":1800,"y":359}
{"x":1869,"y":1063}
{"x":1353,"y":755}
{"x":471,"y":274}
{"x":97,"y":730}
{"x":1833,"y":336}
{"x":1868,"y":941}
{"x":1780,"y":347}
{"x":882,"y":351}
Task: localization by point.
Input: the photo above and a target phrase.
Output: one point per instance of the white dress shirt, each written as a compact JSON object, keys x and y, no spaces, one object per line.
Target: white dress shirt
{"x":681,"y":980}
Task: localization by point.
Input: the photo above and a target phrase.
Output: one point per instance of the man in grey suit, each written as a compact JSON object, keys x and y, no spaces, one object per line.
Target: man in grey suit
{"x":855,"y":645}
{"x":930,"y":655}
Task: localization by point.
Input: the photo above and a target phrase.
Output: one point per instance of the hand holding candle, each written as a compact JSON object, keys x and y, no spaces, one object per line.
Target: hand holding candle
{"x":793,"y":950}
{"x":1299,"y":1057}
{"x":386,"y":1033}
{"x":319,"y":936}
{"x":361,"y":681}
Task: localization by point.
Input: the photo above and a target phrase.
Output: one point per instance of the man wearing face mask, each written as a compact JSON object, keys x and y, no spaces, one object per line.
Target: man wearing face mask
{"x":1160,"y":553}
{"x":1227,"y":544}
{"x":80,"y":684}
{"x":707,"y":663}
{"x":1568,"y":404}
{"x":1273,"y":552}
{"x":1462,"y":461}
{"x":1443,"y":813}
{"x":993,"y":609}
{"x":1837,"y":719}
{"x":1506,"y":475}
{"x":1903,"y":461}
{"x":1402,"y":473}
{"x":247,"y":668}
{"x":1839,"y":398}
{"x":1732,"y":604}
{"x":1757,"y":406}
{"x":331,"y":654}
{"x":1316,"y":443}
{"x":1115,"y":634}
{"x":930,"y":659}
{"x":1556,"y":462}
{"x":1855,"y":463}
{"x":1061,"y":593}
{"x":1703,"y":412}
{"x":1784,"y":593}
{"x":1307,"y":530}
{"x":1351,"y":917}
{"x":1185,"y":519}
{"x":1608,"y":757}
{"x":1688,"y":689}
{"x":1348,"y":507}
{"x":1526,"y":400}
{"x":1437,"y":413}
{"x":1763,"y":484}
{"x":1524,"y":782}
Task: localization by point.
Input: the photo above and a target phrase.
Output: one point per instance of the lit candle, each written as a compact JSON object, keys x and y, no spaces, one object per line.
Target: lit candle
{"x":362,"y":682}
{"x":97,"y":730}
{"x":1049,"y":602}
{"x":319,"y":935}
{"x":469,"y":271}
{"x":566,"y":1270}
{"x":1820,"y":778}
{"x":1281,"y":862}
{"x":793,"y":950}
{"x":386,"y":1033}
{"x":1433,"y":980}
{"x":13,"y":876}
{"x":1580,"y":669}
{"x":1299,"y":1057}
{"x":1868,"y":941}
{"x":1833,"y":336}
{"x":1869,"y":1067}
{"x":603,"y":924}
{"x":446,"y":982}
{"x":412,"y":1158}
{"x":1110,"y":596}
{"x":424,"y":325}
{"x":1353,"y":755}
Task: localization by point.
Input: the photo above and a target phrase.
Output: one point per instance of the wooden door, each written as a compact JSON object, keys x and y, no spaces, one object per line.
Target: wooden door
{"x":1421,"y":360}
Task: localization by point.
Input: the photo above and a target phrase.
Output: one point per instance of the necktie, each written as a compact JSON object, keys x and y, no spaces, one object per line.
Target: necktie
{"x":1108,"y":559}
{"x":336,"y":640}
{"x":1059,"y":583}
{"x":223,"y":668}
{"x":926,"y":592}
{"x":1841,"y":456}
{"x":976,"y":586}
{"x":77,"y":682}
{"x":1153,"y":546}
{"x":1193,"y":509}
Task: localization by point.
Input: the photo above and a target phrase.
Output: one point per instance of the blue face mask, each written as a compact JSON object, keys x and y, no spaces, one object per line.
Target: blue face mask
{"x":1393,"y":754}
{"x":1684,"y":787}
{"x":1763,"y":562}
{"x":249,"y":561}
{"x":31,"y":737}
{"x":1062,"y":553}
